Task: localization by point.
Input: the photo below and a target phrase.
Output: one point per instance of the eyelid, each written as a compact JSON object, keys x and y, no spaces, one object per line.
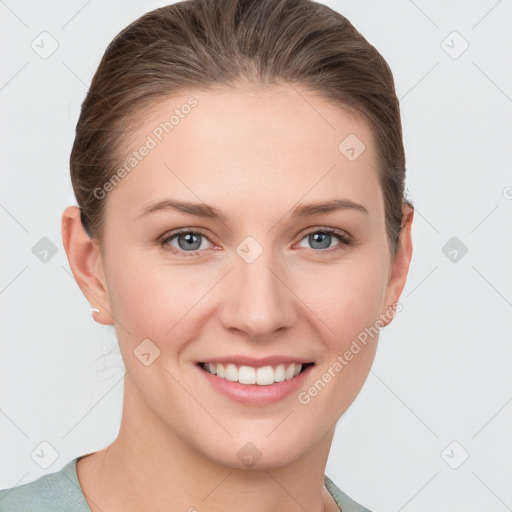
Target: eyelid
{"x":174,"y":232}
{"x":324,"y":229}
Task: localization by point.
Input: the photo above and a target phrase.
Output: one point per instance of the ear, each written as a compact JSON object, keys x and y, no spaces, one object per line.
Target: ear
{"x":86,"y":263}
{"x":399,"y":266}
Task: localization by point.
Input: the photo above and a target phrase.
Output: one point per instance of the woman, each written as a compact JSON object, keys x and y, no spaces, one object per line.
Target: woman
{"x":239,"y":171}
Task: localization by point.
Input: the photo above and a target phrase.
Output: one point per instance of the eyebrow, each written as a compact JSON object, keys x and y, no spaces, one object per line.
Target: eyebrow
{"x":205,"y":210}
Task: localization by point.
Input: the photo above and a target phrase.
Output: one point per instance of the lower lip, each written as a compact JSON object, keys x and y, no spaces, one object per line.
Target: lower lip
{"x":254,"y":394}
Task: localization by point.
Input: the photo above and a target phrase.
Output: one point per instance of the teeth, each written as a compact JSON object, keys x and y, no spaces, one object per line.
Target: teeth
{"x":220,"y":371}
{"x":231,"y":373}
{"x":280,"y":373}
{"x":247,"y":375}
{"x":263,"y":376}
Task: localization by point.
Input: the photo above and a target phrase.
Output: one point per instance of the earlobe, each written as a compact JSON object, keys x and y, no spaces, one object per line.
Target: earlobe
{"x":86,"y":263}
{"x":400,"y":263}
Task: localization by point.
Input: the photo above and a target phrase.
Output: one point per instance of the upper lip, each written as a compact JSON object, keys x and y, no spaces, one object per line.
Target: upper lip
{"x":240,"y":360}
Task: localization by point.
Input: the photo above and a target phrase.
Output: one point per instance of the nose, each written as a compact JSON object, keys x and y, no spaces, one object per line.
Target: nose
{"x":257,"y":298}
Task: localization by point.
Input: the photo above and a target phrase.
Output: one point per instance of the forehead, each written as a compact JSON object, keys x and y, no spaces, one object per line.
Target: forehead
{"x":247,"y":146}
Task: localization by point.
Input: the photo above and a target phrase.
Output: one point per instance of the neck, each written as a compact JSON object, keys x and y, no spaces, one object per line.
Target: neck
{"x":149,"y":467}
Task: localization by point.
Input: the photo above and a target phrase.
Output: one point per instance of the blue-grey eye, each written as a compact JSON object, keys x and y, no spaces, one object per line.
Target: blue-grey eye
{"x":191,"y":241}
{"x":321,"y":239}
{"x":188,"y":241}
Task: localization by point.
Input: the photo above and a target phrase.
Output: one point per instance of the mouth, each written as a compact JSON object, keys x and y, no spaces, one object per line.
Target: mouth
{"x":250,"y":375}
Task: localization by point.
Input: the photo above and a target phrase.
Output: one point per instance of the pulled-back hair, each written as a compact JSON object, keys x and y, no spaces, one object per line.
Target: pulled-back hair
{"x":195,"y":44}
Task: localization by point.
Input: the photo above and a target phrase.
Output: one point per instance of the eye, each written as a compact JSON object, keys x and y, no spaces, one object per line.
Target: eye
{"x":188,"y":242}
{"x":321,"y":238}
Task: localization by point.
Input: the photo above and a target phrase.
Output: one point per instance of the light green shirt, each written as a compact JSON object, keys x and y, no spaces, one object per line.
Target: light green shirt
{"x":61,"y":492}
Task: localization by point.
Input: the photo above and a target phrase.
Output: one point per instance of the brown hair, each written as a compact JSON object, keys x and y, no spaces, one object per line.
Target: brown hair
{"x":193,"y":44}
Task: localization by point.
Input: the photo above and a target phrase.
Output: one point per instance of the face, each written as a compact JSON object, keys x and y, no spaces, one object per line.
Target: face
{"x":252,"y":276}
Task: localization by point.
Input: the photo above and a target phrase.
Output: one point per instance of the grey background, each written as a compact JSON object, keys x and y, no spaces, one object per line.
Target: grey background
{"x":442,"y":370}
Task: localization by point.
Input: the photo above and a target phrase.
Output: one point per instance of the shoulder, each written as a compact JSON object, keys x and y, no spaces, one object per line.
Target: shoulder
{"x":54,"y":492}
{"x":345,"y":503}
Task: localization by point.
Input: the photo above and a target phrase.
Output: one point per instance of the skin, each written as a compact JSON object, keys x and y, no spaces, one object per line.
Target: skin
{"x":253,"y":154}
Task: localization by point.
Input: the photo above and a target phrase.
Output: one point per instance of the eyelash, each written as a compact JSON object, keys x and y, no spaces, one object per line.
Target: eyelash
{"x":345,"y":240}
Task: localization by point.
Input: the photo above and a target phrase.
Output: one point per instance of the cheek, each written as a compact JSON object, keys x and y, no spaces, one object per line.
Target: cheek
{"x":147,"y":305}
{"x":156,"y":301}
{"x":146,"y":301}
{"x":348,"y":307}
{"x":347,"y":298}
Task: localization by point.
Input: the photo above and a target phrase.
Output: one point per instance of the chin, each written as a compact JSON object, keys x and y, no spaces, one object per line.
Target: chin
{"x":260,"y":453}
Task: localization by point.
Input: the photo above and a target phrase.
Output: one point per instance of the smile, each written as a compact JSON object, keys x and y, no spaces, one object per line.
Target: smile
{"x":262,"y":376}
